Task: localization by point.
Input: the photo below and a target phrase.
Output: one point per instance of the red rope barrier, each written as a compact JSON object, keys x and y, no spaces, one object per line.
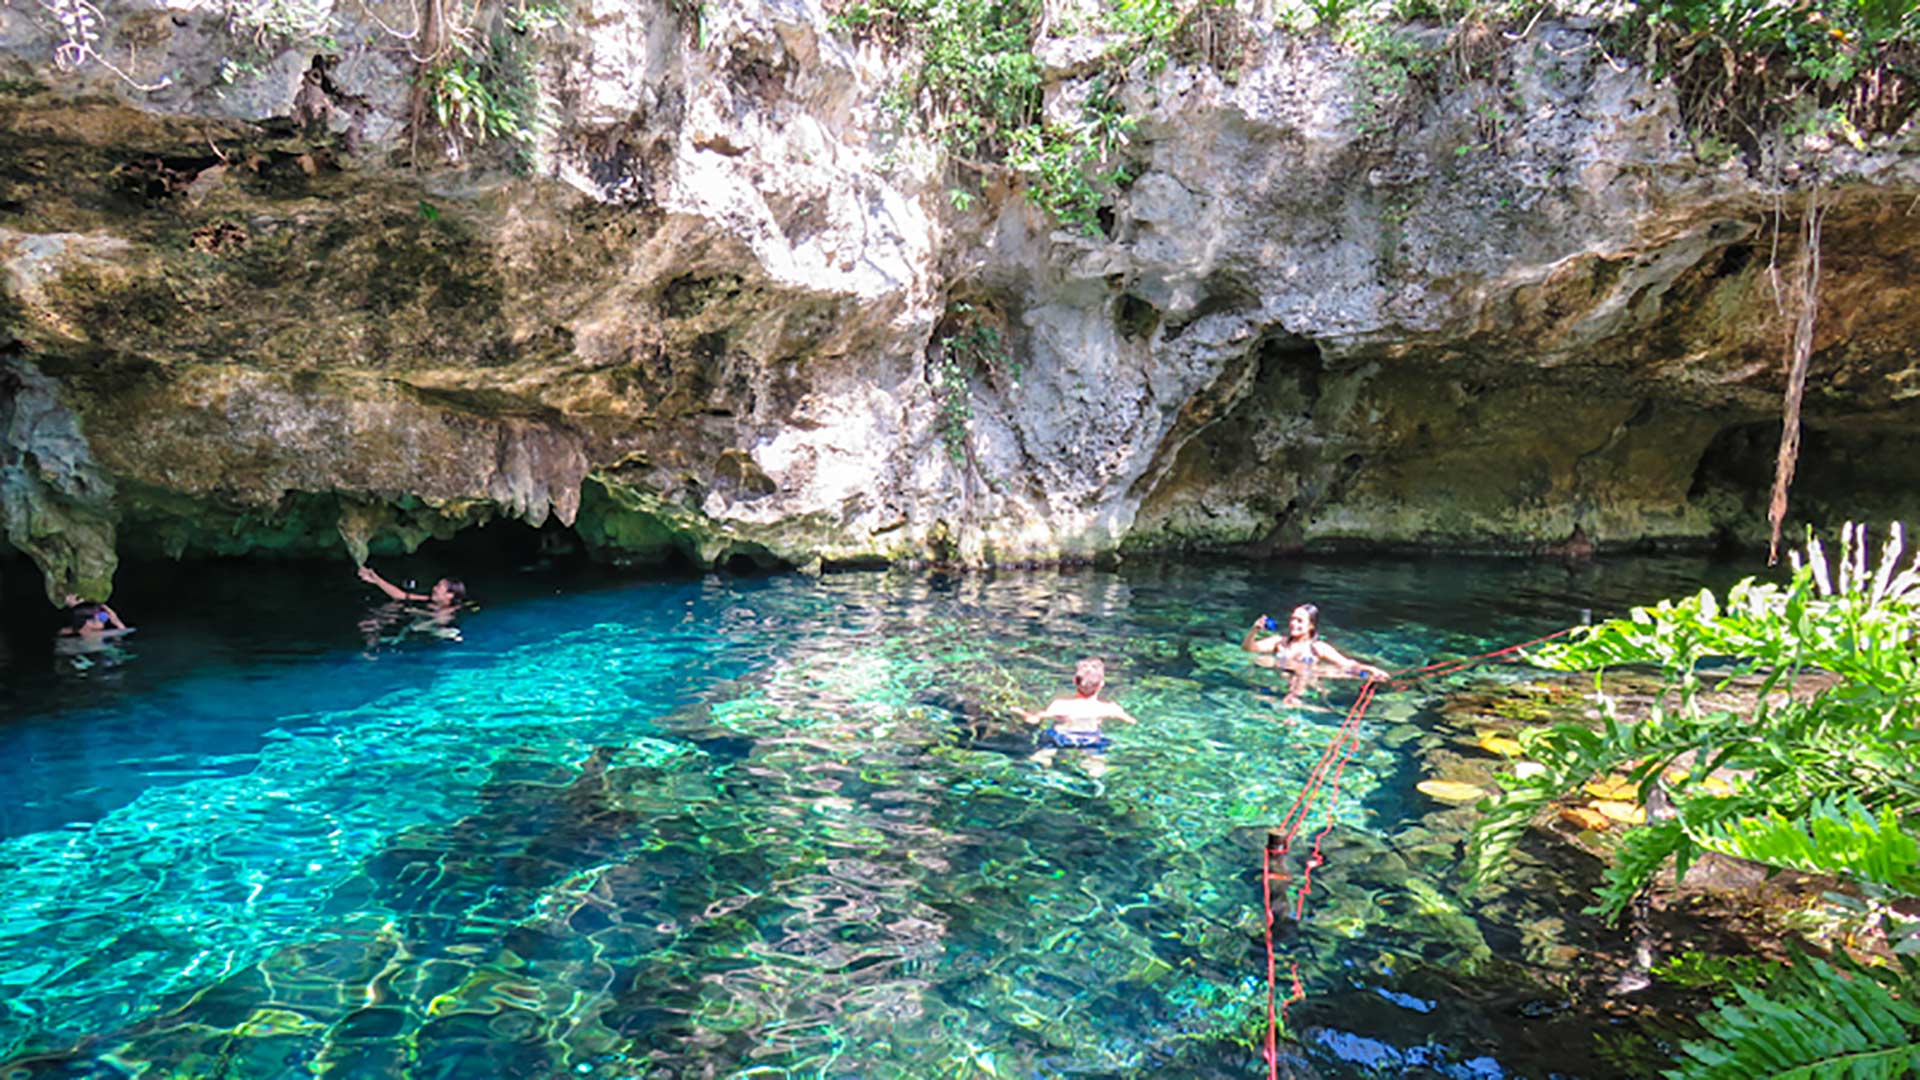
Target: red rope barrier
{"x":1352,"y":742}
{"x":1273,"y":1019}
{"x":1334,"y":760}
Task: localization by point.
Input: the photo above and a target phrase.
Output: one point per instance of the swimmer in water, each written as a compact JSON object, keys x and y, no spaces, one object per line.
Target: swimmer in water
{"x":1301,"y":652}
{"x":90,"y":619}
{"x":447,"y":593}
{"x":442,"y":603}
{"x":1077,"y":719}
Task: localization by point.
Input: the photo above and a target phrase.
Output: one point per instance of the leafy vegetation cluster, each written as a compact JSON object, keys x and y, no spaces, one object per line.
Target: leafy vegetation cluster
{"x":977,"y":89}
{"x":1815,"y":772}
{"x":1746,"y":69}
{"x":975,"y":345}
{"x":1749,"y":68}
{"x":1822,"y":780}
{"x":482,"y":86}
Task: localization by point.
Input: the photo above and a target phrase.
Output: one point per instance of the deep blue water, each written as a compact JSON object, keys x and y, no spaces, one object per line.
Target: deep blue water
{"x":744,"y":826}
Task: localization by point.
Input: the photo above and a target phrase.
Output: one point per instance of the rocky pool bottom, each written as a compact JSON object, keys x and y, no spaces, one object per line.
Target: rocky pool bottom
{"x":784,"y":826}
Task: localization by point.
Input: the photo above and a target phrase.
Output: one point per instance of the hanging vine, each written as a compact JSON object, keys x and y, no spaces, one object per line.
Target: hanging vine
{"x":1797,"y":314}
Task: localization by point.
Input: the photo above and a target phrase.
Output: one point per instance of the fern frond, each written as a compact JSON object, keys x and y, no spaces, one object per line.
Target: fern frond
{"x":1835,"y":837}
{"x":1503,"y":820}
{"x":1637,"y":861}
{"x":1818,"y":1021}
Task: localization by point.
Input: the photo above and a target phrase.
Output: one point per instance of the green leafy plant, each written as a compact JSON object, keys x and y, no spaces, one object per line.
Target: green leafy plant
{"x":488,"y":90}
{"x":1815,"y":1019}
{"x":975,"y":346}
{"x":955,"y":395}
{"x":1827,"y":40}
{"x":1697,"y":969}
{"x":1062,"y":161}
{"x":268,"y":24}
{"x":1388,"y":62}
{"x":1822,"y":779}
{"x":1332,"y":14}
{"x":1749,"y":67}
{"x":977,"y":89}
{"x":1835,"y":835}
{"x":978,"y":79}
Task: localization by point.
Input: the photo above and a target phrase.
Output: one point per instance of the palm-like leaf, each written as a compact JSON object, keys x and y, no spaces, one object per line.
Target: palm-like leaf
{"x":1818,"y":1021}
{"x":1837,"y":837}
{"x":1828,"y":778}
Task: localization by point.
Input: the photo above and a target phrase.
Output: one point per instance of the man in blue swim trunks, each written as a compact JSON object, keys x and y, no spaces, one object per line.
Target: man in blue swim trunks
{"x":1076,"y":719}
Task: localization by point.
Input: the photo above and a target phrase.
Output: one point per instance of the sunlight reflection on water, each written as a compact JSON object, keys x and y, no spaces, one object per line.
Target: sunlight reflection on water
{"x":787,"y":824}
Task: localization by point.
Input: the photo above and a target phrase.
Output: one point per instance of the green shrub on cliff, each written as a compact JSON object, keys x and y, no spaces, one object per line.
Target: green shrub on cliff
{"x":978,"y":80}
{"x":977,"y":89}
{"x":1829,"y":40}
{"x":482,"y":86}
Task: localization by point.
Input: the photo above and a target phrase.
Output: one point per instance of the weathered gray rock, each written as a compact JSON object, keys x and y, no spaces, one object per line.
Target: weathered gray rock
{"x":705,"y":316}
{"x":56,"y":503}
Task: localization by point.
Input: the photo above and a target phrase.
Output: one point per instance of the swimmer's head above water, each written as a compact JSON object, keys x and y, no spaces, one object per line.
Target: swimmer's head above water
{"x":1089,"y":675}
{"x":1303,"y":623}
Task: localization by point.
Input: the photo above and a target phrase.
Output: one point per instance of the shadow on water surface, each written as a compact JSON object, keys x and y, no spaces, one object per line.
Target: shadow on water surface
{"x":693,"y":828}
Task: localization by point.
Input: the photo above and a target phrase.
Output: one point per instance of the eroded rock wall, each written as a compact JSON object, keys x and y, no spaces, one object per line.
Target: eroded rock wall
{"x":702,"y":313}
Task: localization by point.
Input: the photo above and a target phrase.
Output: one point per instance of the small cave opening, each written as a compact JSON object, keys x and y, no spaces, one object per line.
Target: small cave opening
{"x":1848,"y":469}
{"x":749,"y":564}
{"x":311,"y":589}
{"x":1135,"y":318}
{"x":26,"y":619}
{"x":496,"y":561}
{"x":1290,"y":359}
{"x":1734,"y":258}
{"x":1223,"y":291}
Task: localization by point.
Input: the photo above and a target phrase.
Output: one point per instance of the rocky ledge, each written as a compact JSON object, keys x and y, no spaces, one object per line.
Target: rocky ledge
{"x":713,"y":304}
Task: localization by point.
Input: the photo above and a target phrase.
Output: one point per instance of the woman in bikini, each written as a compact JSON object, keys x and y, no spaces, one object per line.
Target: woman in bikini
{"x":1301,"y":652}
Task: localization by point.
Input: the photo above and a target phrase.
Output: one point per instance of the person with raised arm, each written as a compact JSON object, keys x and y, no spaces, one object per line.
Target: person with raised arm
{"x":1302,"y":652}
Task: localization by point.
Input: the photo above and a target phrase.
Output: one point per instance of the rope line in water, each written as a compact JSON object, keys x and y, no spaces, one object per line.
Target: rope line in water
{"x":1333,"y":760}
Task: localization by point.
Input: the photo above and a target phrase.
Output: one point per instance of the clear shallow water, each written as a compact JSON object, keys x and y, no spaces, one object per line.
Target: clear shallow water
{"x":763,"y":827}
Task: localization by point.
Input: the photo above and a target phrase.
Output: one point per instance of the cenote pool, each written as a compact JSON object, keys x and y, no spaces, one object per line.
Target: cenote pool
{"x":778,"y":826}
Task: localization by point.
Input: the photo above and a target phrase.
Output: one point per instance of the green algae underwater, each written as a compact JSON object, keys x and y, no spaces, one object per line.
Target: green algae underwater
{"x":775,"y":826}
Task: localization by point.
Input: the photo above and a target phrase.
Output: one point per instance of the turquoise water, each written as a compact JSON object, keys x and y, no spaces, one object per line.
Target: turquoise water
{"x":748,"y":827}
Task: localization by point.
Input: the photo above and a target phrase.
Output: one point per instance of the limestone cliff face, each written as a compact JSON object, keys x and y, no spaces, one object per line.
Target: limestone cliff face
{"x":250,"y":297}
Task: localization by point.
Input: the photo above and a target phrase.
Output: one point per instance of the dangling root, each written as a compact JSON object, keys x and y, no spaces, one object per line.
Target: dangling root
{"x":1800,"y":352}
